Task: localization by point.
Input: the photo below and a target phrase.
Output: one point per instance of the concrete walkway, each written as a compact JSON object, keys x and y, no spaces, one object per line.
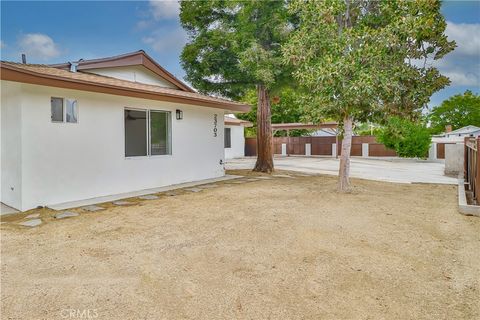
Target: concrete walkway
{"x":387,"y":169}
{"x":4,"y":209}
{"x":110,"y":198}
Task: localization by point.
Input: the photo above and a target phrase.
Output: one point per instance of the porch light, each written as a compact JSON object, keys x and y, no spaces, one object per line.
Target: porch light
{"x":179,"y":114}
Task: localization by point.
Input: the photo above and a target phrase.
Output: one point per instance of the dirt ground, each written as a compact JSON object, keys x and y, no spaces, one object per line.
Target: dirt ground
{"x":286,"y":248}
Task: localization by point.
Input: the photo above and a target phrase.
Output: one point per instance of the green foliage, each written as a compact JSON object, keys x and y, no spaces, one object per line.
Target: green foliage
{"x":458,"y":111}
{"x":359,"y":58}
{"x":407,"y":138}
{"x":234,"y":45}
{"x":367,"y":129}
{"x":287,"y":107}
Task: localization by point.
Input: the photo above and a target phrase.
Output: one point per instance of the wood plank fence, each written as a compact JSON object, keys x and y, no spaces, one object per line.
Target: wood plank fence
{"x":321,"y":146}
{"x":472,"y":168}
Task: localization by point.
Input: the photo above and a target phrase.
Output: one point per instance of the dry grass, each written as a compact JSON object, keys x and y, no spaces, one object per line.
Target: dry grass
{"x":287,"y":248}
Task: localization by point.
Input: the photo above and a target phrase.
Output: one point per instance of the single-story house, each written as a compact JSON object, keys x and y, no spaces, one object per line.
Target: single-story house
{"x":93,"y":128}
{"x":235,"y":136}
{"x":458,"y":135}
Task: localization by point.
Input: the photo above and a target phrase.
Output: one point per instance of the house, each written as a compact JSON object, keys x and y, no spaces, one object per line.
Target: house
{"x":449,"y":145}
{"x":235,"y":136}
{"x":458,"y":135}
{"x":109,"y":126}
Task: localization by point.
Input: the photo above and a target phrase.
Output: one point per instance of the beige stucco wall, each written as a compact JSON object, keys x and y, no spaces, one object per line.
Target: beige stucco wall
{"x":454,"y":157}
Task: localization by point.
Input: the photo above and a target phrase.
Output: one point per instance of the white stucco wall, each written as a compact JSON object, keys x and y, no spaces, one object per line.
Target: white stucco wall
{"x":237,"y":149}
{"x":62,"y":162}
{"x":133,"y":73}
{"x":11,"y":144}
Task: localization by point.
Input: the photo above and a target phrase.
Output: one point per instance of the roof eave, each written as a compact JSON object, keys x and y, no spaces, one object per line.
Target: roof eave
{"x":10,"y":73}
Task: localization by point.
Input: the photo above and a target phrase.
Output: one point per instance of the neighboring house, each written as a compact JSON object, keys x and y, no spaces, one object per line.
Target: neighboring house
{"x":328,"y":132}
{"x":93,"y":128}
{"x":456,"y":135}
{"x":235,"y":137}
{"x":448,"y":140}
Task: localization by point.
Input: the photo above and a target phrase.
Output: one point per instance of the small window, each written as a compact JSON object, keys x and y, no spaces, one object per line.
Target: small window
{"x":57,"y":109}
{"x":72,"y":111}
{"x":228,"y":137}
{"x":135,"y":133}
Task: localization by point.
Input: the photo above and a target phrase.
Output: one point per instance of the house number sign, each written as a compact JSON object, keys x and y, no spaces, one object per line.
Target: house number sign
{"x":215,"y":122}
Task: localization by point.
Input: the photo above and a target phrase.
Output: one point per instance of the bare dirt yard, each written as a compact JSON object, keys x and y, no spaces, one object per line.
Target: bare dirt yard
{"x":284,"y":248}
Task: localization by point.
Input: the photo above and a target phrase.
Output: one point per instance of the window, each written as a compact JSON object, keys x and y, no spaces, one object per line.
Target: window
{"x":159,"y":132}
{"x":72,"y":111}
{"x":228,"y":137}
{"x":135,"y":133}
{"x":59,"y":113}
{"x":147,"y":132}
{"x":57,"y":109}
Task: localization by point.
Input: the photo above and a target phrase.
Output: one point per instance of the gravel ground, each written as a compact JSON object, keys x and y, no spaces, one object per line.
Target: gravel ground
{"x":281,"y":248}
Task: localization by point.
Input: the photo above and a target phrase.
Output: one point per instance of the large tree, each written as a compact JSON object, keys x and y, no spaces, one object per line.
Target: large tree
{"x":458,"y":111}
{"x":235,"y":46}
{"x":287,"y":106}
{"x":361,"y":60}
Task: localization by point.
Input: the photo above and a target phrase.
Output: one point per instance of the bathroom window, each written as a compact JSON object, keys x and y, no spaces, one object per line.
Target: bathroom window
{"x":64,"y":110}
{"x":57,"y":109}
{"x":71,"y":110}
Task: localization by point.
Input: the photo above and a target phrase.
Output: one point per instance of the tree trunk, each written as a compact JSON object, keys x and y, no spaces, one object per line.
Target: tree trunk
{"x":344,"y":170}
{"x":264,"y":132}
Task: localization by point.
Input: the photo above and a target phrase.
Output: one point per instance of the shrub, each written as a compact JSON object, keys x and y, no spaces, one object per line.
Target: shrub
{"x":408,"y":139}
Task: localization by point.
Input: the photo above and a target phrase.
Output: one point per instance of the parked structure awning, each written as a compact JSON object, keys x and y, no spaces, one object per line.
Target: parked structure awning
{"x":308,"y":126}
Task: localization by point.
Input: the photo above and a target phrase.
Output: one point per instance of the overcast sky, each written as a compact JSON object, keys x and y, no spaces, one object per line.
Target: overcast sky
{"x":60,"y":31}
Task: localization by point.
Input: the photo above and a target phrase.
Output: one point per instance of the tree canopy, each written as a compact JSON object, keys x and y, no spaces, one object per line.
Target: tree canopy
{"x":366,"y":59}
{"x":458,"y":111}
{"x":234,"y":45}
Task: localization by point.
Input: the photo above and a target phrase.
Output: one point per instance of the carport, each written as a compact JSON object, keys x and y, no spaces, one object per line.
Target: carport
{"x":330,"y":146}
{"x":290,"y":146}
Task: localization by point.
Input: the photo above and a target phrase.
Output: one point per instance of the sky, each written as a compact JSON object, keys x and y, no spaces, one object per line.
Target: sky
{"x":60,"y":31}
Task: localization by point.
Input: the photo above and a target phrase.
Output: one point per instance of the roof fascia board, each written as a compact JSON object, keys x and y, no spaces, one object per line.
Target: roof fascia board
{"x":25,"y":76}
{"x":133,"y":59}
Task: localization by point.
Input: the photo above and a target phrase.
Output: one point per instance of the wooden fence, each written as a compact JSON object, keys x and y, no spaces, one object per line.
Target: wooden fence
{"x":321,"y":146}
{"x":472,"y":168}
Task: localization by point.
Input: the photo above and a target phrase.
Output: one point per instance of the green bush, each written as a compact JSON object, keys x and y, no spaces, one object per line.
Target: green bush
{"x":408,"y":139}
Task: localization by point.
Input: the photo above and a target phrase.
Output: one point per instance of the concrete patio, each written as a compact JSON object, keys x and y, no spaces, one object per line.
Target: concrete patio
{"x":384,"y":169}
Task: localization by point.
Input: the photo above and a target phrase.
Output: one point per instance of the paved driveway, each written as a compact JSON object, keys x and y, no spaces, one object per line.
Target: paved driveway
{"x":389,"y":169}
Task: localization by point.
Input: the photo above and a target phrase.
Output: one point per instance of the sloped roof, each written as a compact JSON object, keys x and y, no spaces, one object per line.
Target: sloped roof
{"x":231,"y":121}
{"x":291,"y":126}
{"x":81,"y":80}
{"x":128,"y":59}
{"x":464,"y":130}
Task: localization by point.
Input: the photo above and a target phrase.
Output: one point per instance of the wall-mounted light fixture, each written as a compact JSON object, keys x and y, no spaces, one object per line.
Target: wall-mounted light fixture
{"x":179,"y":114}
